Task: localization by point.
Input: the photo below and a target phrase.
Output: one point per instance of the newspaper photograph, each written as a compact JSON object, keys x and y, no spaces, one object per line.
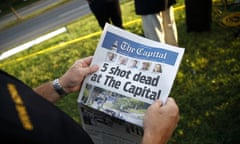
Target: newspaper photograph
{"x":105,"y":129}
{"x":133,"y":72}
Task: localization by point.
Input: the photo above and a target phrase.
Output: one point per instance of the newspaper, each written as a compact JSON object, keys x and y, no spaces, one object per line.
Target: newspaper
{"x":134,"y":72}
{"x":105,"y":129}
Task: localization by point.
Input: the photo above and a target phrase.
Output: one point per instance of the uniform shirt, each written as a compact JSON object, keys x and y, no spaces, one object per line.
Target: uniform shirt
{"x":27,"y":118}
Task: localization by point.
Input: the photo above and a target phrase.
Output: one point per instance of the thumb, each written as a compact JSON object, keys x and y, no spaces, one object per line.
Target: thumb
{"x":90,"y":69}
{"x":158,"y":103}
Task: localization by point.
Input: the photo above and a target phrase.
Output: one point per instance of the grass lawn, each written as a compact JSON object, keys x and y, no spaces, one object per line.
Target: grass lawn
{"x":207,"y":86}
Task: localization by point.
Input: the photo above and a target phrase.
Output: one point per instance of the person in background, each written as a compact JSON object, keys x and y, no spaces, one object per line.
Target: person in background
{"x":106,"y":11}
{"x":158,"y":20}
{"x":29,"y":115}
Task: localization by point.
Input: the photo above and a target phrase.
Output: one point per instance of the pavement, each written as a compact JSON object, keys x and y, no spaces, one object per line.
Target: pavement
{"x":25,"y":11}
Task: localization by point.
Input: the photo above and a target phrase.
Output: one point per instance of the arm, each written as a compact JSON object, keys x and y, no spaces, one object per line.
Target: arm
{"x":71,"y":81}
{"x":160,"y":122}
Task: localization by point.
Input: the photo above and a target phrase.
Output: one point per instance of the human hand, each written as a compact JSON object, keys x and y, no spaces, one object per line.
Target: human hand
{"x":160,"y":121}
{"x":72,"y":80}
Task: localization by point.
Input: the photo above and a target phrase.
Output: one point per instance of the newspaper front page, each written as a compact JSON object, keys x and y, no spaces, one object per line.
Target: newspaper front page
{"x":134,"y":72}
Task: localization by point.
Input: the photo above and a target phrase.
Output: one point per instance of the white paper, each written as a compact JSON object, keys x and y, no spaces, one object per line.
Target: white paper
{"x":123,"y":91}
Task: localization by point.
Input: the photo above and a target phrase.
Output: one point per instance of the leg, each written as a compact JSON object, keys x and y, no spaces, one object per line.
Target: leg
{"x":115,"y":13}
{"x":152,"y":27}
{"x":100,"y":12}
{"x":169,"y":27}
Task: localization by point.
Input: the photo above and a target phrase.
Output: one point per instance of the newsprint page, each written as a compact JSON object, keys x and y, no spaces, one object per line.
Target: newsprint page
{"x":133,"y":72}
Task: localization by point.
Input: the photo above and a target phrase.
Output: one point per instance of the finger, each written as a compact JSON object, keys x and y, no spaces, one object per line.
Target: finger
{"x":85,"y":61}
{"x":171,"y":103}
{"x":88,"y":60}
{"x":170,"y":100}
{"x":94,"y":68}
{"x":158,"y":103}
{"x":89,"y":70}
{"x":161,"y":103}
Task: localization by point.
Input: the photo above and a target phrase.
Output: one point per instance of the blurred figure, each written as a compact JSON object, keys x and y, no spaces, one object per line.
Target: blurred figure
{"x":133,"y":64}
{"x":145,"y":66}
{"x":106,"y":11}
{"x":111,"y":57}
{"x":122,"y":60}
{"x":158,"y":20}
{"x":157,"y":68}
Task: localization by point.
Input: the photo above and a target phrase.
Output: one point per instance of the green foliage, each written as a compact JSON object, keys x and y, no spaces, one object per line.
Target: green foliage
{"x":206,"y":87}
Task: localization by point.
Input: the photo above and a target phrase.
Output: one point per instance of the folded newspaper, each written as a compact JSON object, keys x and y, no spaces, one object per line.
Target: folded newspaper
{"x":134,"y":72}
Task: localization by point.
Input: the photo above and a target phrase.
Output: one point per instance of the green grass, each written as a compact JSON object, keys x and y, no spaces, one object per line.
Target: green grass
{"x":206,"y":87}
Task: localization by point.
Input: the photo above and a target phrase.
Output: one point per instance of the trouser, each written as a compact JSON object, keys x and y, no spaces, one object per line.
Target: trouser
{"x":161,"y":27}
{"x":107,"y":11}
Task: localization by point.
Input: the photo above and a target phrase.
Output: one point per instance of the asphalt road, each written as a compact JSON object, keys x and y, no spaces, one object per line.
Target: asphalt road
{"x":42,"y":24}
